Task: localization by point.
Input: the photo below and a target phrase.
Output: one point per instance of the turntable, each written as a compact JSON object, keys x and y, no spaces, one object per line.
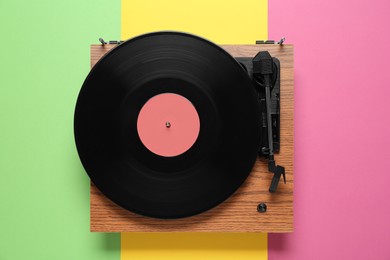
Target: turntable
{"x":180,"y":134}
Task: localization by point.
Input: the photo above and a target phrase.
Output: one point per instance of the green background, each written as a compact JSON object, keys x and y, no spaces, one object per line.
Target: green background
{"x":44,"y":194}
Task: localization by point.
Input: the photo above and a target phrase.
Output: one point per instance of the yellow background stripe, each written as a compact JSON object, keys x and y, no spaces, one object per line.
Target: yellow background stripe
{"x":193,"y":246}
{"x":223,"y":22}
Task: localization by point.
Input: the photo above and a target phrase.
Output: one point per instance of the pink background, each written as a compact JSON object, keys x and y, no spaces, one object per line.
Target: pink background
{"x":342,"y":128}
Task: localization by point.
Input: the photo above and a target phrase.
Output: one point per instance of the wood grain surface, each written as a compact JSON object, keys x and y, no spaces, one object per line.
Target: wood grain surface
{"x":239,"y":212}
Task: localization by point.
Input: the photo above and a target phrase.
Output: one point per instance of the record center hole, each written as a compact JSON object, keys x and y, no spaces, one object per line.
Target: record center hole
{"x":168,"y":124}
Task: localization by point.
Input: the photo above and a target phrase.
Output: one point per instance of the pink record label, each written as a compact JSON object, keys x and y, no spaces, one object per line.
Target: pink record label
{"x":168,"y":124}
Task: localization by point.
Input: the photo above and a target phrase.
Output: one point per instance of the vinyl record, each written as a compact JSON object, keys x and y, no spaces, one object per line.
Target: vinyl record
{"x":167,"y":125}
